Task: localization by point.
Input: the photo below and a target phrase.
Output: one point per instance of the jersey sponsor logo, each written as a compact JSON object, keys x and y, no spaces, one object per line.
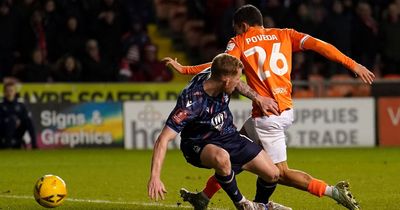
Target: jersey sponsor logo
{"x":230,"y":46}
{"x":280,"y":90}
{"x":218,"y":121}
{"x":180,"y":115}
{"x":260,"y":37}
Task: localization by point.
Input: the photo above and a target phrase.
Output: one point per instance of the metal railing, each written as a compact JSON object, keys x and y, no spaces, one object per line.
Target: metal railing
{"x":346,"y":88}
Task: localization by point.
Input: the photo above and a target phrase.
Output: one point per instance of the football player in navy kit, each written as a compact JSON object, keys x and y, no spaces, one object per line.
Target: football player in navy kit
{"x":209,"y":139}
{"x":14,"y":120}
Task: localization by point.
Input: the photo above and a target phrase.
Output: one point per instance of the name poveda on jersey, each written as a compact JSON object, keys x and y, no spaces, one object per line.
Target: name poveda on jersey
{"x":260,"y":37}
{"x":253,"y":39}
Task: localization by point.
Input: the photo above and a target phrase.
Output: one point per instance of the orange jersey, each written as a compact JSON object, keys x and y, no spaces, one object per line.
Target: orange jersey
{"x":266,"y":54}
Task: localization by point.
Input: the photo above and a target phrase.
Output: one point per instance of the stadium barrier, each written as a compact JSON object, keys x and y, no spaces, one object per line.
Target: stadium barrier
{"x":63,"y":125}
{"x":388,"y":121}
{"x":319,"y":122}
{"x":63,"y":116}
{"x":97,"y":92}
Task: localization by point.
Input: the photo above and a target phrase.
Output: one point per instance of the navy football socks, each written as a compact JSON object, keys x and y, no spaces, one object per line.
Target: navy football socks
{"x":264,"y":191}
{"x":228,"y":183}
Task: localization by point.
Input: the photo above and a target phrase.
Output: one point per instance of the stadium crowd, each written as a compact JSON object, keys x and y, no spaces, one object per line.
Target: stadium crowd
{"x":73,"y":41}
{"x":107,"y":40}
{"x":365,"y":30}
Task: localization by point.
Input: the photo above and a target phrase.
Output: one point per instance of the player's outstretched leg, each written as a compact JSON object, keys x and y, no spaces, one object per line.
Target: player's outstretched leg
{"x":341,"y":193}
{"x":198,"y":200}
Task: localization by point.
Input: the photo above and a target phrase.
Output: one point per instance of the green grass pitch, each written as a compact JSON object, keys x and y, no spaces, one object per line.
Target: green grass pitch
{"x":117,"y":179}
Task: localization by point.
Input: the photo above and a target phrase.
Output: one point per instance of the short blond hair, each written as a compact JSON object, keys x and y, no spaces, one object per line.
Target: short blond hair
{"x":225,"y":65}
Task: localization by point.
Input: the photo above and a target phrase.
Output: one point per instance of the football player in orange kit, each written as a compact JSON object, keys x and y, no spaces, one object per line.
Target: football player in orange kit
{"x":267,"y":57}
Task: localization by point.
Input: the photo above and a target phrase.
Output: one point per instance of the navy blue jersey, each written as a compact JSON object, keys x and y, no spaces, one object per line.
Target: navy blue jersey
{"x":199,"y":116}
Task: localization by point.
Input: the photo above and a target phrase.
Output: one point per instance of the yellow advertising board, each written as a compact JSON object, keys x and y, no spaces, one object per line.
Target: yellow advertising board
{"x":98,"y":92}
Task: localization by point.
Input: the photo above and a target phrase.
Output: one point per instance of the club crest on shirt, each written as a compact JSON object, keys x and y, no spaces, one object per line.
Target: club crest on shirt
{"x":218,"y":121}
{"x":230,"y":46}
{"x":180,"y":115}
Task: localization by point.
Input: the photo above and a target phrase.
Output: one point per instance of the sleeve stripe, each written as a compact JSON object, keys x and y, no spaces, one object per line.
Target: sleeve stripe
{"x":303,"y":40}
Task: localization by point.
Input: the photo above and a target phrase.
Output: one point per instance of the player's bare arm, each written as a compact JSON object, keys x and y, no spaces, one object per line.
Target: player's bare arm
{"x":172,"y":64}
{"x":265,"y":103}
{"x":155,"y":186}
{"x":176,"y":66}
{"x":362,"y":72}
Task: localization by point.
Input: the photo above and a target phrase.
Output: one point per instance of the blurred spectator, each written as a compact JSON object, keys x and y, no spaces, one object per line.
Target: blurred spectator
{"x":78,"y":9}
{"x":208,"y":47}
{"x":96,"y":67}
{"x":276,"y":11}
{"x":136,"y":35}
{"x":301,"y":21}
{"x":390,"y":36}
{"x":52,"y":21}
{"x":364,"y":35}
{"x":224,"y":30}
{"x":68,"y":69}
{"x":14,"y":120}
{"x":318,"y":19}
{"x":155,"y":69}
{"x":193,"y":31}
{"x":131,"y":67}
{"x":299,"y":67}
{"x":8,"y":33}
{"x":163,"y":9}
{"x":107,"y":29}
{"x":176,"y":20}
{"x":142,"y":10}
{"x":337,"y":31}
{"x":33,"y":36}
{"x":37,"y":70}
{"x":71,"y":40}
{"x":25,"y":8}
{"x":213,"y":10}
{"x":348,"y":7}
{"x":269,"y":22}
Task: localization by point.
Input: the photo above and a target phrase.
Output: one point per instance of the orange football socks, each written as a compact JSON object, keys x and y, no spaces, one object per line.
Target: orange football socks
{"x":317,"y":187}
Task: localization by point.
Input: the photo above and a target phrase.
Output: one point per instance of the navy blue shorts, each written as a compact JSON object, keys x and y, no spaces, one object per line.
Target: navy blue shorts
{"x":241,"y":150}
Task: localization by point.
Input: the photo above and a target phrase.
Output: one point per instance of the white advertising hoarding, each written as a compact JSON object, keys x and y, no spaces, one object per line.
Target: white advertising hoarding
{"x":318,"y":122}
{"x":333,"y":123}
{"x":143,"y":121}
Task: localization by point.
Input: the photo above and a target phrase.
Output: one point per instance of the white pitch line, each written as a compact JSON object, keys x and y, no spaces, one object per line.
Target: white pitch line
{"x":108,"y":202}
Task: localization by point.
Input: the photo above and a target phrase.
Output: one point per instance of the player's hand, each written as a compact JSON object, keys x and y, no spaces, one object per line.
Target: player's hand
{"x":267,"y":105}
{"x":156,"y":189}
{"x":366,"y":75}
{"x":172,"y":64}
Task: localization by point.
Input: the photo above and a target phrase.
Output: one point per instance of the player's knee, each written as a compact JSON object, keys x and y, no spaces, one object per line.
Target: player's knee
{"x":274,"y":174}
{"x":222,"y":162}
{"x":271,"y":174}
{"x":283,"y":170}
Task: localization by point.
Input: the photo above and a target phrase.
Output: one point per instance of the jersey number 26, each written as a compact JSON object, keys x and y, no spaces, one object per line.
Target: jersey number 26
{"x":276,"y":56}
